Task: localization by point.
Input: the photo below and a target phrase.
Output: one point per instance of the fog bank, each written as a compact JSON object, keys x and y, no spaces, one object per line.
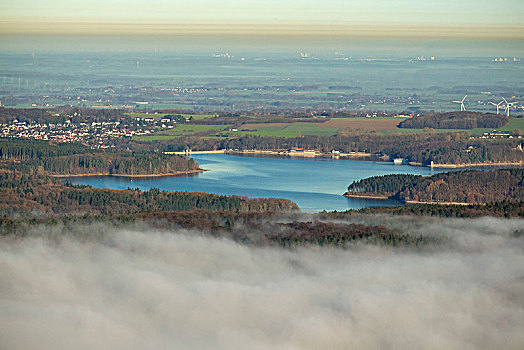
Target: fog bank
{"x":137,"y":289}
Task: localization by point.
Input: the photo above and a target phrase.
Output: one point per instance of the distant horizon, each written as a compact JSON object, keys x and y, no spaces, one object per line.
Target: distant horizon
{"x":264,"y":44}
{"x":357,"y":18}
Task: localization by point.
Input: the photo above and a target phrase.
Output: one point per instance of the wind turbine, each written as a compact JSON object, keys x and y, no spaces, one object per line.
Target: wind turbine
{"x":497,"y":105}
{"x":508,"y":106}
{"x":462,"y":106}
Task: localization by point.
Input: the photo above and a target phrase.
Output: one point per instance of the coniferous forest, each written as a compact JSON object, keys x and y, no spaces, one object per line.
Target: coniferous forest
{"x":470,"y":186}
{"x":35,"y":194}
{"x":75,"y":159}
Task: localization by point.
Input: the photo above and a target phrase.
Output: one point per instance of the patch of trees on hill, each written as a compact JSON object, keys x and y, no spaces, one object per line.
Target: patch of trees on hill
{"x":343,"y":235}
{"x":30,"y":193}
{"x":468,"y":187}
{"x":8,"y":115}
{"x":73,"y":159}
{"x":471,"y":186}
{"x":386,"y":185}
{"x":61,"y":114}
{"x":455,"y":120}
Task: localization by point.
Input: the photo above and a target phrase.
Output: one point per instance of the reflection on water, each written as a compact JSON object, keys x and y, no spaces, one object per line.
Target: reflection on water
{"x":314,"y":184}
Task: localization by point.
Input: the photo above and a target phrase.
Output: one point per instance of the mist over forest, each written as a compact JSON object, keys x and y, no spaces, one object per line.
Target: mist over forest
{"x":136,"y":287}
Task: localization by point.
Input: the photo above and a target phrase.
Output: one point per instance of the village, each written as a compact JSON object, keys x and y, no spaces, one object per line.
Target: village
{"x":94,"y":134}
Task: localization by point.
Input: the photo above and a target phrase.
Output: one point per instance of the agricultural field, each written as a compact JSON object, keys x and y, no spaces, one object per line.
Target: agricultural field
{"x":513,"y":124}
{"x":198,"y":116}
{"x":158,"y":116}
{"x":287,"y":129}
{"x":180,"y":130}
{"x":363,"y":123}
{"x":380,"y":125}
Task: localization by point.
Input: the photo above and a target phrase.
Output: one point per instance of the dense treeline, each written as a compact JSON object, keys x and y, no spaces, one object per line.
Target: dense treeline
{"x":449,"y":148}
{"x":117,"y":164}
{"x":35,"y":194}
{"x":25,"y":115}
{"x":459,"y":186}
{"x":61,"y":114}
{"x":73,"y":159}
{"x":343,"y":235}
{"x":24,"y":149}
{"x":387,"y":185}
{"x":455,"y":120}
{"x":92,"y":115}
{"x":262,"y":229}
{"x":504,"y":208}
{"x":468,"y":187}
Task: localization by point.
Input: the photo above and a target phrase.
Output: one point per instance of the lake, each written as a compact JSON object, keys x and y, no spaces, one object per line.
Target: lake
{"x":314,"y":184}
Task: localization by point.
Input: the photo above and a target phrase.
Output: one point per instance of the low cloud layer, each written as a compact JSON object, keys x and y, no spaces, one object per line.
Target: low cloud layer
{"x":133,"y":289}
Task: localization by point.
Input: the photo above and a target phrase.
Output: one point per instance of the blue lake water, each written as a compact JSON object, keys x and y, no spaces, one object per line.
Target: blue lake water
{"x":314,"y":184}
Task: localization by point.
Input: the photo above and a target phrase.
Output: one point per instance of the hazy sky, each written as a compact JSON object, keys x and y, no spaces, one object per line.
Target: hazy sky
{"x":502,"y":18}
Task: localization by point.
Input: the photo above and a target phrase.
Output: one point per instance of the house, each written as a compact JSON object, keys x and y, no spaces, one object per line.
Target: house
{"x":399,"y":161}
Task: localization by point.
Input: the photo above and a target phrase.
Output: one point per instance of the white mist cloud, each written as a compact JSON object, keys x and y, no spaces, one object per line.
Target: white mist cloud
{"x":135,"y":290}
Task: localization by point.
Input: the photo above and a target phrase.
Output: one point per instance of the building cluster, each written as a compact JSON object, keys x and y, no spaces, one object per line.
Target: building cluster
{"x":499,"y":134}
{"x":182,"y":90}
{"x":96,"y":134}
{"x":505,"y":59}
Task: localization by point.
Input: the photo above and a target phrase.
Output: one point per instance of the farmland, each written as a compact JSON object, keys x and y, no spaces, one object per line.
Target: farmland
{"x":379,"y":125}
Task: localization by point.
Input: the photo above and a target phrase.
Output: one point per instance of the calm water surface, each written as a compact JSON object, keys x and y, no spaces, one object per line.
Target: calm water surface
{"x":314,"y":184}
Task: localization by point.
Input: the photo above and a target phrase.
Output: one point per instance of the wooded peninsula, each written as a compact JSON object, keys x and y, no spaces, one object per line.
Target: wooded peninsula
{"x":458,"y":187}
{"x":73,"y":159}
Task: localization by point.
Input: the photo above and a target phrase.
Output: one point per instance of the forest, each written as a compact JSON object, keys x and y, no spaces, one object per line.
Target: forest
{"x":60,"y":115}
{"x":260,"y":229}
{"x":74,"y":159}
{"x":505,"y":208}
{"x":470,"y":186}
{"x":32,"y":193}
{"x":386,"y":185}
{"x":455,"y":120}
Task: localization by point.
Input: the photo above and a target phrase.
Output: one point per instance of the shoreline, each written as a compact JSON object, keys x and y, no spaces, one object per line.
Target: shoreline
{"x":307,"y":154}
{"x":377,"y":196}
{"x":360,"y":156}
{"x":178,"y":173}
{"x":472,"y":165}
{"x":441,"y":203}
{"x":404,"y":201}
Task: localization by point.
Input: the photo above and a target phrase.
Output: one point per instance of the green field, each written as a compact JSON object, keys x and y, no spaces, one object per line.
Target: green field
{"x":302,"y":128}
{"x":291,"y":130}
{"x":180,"y":130}
{"x":158,"y":116}
{"x":199,"y":116}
